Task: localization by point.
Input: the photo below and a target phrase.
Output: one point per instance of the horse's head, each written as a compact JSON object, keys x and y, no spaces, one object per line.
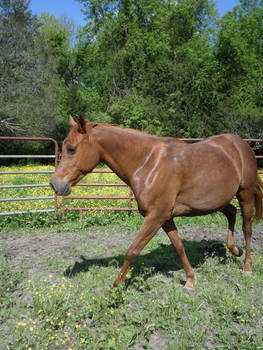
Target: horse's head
{"x":80,"y":155}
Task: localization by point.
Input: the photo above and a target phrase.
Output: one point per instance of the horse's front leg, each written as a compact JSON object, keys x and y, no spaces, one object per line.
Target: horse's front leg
{"x":149,"y":228}
{"x":171,"y":230}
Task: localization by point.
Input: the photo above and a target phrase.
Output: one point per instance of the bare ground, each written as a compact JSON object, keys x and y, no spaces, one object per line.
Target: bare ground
{"x":70,"y":249}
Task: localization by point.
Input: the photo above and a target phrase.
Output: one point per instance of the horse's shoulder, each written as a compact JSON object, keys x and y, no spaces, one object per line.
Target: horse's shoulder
{"x":171,"y":144}
{"x":170,"y":148}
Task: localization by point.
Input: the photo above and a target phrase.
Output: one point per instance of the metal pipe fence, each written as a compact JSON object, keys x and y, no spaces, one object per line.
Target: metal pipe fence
{"x":129,"y":197}
{"x":8,"y":173}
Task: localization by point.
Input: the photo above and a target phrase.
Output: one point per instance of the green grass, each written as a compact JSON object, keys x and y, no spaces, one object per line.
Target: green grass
{"x":106,"y":218}
{"x":56,"y":293}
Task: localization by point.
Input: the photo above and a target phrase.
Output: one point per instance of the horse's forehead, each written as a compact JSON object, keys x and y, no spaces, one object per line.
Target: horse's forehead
{"x":73,"y":136}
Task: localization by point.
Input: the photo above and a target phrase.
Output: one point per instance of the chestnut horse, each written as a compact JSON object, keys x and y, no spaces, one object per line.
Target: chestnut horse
{"x":169,"y":178}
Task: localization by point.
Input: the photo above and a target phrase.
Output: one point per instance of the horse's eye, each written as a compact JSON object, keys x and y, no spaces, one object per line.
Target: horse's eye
{"x":71,"y":150}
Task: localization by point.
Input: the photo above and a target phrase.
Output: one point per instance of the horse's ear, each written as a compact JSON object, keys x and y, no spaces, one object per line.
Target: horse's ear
{"x":81,"y":124}
{"x":71,"y":121}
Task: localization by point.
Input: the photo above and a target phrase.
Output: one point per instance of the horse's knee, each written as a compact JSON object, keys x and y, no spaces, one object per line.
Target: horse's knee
{"x":131,"y":254}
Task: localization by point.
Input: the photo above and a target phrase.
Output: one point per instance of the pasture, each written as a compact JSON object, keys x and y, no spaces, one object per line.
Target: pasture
{"x":56,"y":286}
{"x":56,"y":291}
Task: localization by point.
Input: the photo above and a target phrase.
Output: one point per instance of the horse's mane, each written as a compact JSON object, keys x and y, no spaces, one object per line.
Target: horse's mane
{"x":129,"y":130}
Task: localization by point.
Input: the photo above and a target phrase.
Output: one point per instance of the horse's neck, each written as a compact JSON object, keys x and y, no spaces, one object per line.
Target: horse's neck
{"x":124,"y":151}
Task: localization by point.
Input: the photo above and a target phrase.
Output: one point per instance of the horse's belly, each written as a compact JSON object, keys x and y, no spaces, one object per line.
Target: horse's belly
{"x":205,"y":198}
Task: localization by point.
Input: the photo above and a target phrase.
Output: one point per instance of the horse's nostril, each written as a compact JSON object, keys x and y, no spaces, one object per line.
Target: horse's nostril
{"x":61,"y":188}
{"x":67,"y":189}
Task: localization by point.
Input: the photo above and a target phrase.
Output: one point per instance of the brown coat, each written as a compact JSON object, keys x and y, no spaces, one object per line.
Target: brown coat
{"x":169,"y":178}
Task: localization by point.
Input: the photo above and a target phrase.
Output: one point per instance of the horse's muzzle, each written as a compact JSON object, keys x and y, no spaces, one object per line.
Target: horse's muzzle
{"x":61,"y":188}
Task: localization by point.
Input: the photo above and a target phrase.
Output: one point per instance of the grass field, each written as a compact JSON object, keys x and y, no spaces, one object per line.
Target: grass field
{"x":56,"y":291}
{"x":56,"y":279}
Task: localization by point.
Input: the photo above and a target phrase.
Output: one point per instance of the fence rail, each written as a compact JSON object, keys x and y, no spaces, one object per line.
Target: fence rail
{"x":25,"y":199}
{"x":28,"y":211}
{"x":26,"y":172}
{"x":65,"y":207}
{"x":24,"y":186}
{"x":27,"y":156}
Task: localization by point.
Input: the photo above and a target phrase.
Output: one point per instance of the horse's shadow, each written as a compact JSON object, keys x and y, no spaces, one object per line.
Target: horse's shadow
{"x":163,"y":259}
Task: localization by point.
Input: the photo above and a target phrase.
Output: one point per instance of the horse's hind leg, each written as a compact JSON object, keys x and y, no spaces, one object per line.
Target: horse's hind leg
{"x":246,"y":201}
{"x":171,"y":230}
{"x":230,"y":212}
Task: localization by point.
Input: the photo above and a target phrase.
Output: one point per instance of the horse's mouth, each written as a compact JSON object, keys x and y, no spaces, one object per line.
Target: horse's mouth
{"x":60,"y":188}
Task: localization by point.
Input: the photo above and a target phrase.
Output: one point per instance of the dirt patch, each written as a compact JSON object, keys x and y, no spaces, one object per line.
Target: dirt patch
{"x":215,"y":233}
{"x":34,"y":252}
{"x":79,"y":249}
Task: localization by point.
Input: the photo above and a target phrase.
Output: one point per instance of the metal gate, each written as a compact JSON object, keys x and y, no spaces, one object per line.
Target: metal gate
{"x":129,"y":197}
{"x":7,"y":173}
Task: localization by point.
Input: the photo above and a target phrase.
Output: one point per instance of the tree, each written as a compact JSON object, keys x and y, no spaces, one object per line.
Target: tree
{"x":139,"y":62}
{"x":28,"y":81}
{"x":239,"y":51}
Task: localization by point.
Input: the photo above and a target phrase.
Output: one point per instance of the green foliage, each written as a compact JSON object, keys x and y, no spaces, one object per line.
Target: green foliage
{"x":173,"y":68}
{"x":134,"y":111}
{"x":239,"y":53}
{"x":27,"y":80}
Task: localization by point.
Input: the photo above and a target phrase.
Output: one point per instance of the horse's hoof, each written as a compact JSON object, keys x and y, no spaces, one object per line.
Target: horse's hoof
{"x":189,"y":291}
{"x":247,"y":273}
{"x":189,"y":287}
{"x":240,"y":252}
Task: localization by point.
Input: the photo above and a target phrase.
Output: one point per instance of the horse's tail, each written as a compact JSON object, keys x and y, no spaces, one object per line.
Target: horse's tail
{"x":258,"y":199}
